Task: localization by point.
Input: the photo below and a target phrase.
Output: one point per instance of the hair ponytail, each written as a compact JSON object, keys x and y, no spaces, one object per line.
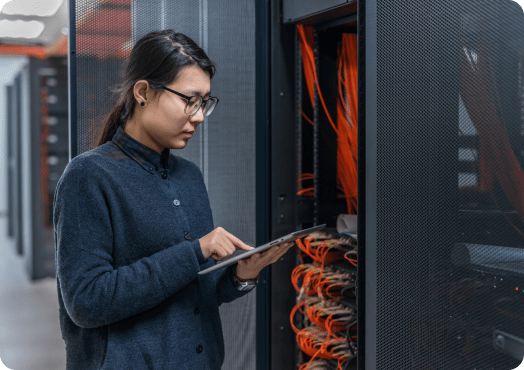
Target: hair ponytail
{"x":173,"y":52}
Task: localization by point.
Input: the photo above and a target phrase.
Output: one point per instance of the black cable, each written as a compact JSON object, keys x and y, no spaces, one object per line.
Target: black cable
{"x":348,"y":335}
{"x":347,"y":287}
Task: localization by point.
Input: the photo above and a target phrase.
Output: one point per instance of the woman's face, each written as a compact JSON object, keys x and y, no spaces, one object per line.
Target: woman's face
{"x":162,"y":122}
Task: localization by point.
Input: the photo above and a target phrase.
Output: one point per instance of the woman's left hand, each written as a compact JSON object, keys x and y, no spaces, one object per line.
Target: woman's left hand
{"x":250,"y":268}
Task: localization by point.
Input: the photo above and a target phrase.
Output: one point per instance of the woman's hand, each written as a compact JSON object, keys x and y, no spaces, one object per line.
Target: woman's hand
{"x":220,"y":244}
{"x":250,"y":268}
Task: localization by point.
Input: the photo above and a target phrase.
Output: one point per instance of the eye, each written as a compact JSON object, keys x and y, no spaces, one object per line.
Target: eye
{"x":193,"y":101}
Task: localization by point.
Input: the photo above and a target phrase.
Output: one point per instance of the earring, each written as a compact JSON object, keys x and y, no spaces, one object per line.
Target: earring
{"x":142,"y":104}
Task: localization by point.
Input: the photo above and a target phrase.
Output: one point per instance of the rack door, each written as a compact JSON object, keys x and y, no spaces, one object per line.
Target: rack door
{"x":444,"y":184}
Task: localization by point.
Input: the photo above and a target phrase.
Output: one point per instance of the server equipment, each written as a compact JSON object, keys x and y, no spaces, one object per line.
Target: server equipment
{"x":436,"y":141}
{"x":14,"y":218}
{"x":37,"y":155}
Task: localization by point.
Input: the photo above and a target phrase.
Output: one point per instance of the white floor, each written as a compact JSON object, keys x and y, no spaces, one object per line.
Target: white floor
{"x":30,"y":337}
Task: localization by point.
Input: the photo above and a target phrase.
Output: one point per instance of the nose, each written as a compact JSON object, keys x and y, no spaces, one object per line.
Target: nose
{"x":198,"y":117}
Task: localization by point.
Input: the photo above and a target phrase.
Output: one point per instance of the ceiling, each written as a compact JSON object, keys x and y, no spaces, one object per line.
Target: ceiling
{"x":55,"y":25}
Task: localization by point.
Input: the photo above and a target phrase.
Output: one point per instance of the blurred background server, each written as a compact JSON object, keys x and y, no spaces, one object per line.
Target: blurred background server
{"x":397,"y":123}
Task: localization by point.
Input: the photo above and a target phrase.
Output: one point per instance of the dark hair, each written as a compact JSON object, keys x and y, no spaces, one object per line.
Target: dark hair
{"x":158,"y":57}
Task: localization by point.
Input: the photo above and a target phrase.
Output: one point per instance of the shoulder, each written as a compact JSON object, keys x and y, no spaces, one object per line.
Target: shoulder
{"x":87,"y":161}
{"x":85,"y":167}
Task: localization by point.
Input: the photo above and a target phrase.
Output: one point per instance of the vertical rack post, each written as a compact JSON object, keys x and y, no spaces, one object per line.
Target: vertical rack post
{"x":298,"y":96}
{"x":299,"y":357}
{"x":361,"y":184}
{"x":315,"y":136}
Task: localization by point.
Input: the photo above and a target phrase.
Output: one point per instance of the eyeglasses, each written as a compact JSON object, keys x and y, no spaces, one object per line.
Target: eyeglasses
{"x":195,"y":102}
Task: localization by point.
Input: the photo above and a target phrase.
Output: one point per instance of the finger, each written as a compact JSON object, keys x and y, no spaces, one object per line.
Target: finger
{"x":221,"y":253}
{"x":239,"y":244}
{"x":251,"y":258}
{"x":282,"y":251}
{"x":277,"y":256}
{"x":273,"y":251}
{"x":228,"y":246}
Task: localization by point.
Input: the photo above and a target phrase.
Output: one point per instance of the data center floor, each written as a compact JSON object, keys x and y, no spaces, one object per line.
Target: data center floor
{"x":30,"y":337}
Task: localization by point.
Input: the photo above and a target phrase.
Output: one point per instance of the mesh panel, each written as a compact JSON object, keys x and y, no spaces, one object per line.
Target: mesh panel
{"x":229,"y":145}
{"x":449,"y":200}
{"x":223,"y":145}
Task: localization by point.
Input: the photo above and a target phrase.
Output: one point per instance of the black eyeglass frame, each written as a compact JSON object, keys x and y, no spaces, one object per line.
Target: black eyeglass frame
{"x":188,"y":98}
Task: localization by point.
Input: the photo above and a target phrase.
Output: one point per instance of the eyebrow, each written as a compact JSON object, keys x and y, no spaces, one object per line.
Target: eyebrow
{"x":191,"y":91}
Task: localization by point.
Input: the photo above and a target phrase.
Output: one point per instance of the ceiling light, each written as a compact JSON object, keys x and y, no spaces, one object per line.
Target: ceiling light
{"x":30,"y":7}
{"x":20,"y":29}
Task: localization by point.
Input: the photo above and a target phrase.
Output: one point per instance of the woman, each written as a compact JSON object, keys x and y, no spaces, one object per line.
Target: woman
{"x":133,"y":227}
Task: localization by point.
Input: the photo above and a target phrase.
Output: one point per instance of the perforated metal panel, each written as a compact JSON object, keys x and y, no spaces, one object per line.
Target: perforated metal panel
{"x":444,"y":183}
{"x":223,"y":145}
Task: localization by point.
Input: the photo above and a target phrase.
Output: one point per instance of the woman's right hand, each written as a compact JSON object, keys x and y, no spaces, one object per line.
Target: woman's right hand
{"x":220,"y":244}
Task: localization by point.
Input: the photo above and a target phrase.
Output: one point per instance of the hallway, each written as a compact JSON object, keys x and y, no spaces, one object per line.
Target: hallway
{"x":30,"y":337}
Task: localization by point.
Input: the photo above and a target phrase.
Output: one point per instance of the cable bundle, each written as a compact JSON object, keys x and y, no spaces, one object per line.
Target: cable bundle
{"x":327,"y":284}
{"x":346,"y":128}
{"x":320,"y":364}
{"x":330,"y":316}
{"x":347,"y":138}
{"x":319,"y":247}
{"x":320,"y":286}
{"x":320,"y":251}
{"x":321,"y":341}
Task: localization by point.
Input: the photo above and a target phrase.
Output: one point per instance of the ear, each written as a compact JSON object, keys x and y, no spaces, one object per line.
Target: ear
{"x":142,"y":91}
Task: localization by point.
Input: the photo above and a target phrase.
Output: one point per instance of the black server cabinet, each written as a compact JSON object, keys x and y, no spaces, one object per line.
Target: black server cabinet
{"x":297,"y":147}
{"x":10,"y":127}
{"x":46,"y":158}
{"x":442,"y":163}
{"x":441,"y":243}
{"x":14,"y":164}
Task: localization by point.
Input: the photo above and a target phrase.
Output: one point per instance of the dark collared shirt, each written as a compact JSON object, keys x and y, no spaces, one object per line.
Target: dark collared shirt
{"x":150,"y":160}
{"x":127,"y":226}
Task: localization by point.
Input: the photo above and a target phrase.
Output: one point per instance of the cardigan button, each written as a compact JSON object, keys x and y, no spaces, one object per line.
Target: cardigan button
{"x":187,"y":236}
{"x":164,"y":175}
{"x":199,"y":349}
{"x":176,"y":202}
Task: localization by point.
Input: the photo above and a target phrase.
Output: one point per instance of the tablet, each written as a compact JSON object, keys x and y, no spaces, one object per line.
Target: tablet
{"x":241,"y":254}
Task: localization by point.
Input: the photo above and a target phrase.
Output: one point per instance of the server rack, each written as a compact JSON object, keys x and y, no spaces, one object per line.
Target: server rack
{"x":10,"y":162}
{"x":37,"y":125}
{"x":442,"y":290}
{"x":298,"y":147}
{"x":440,"y":254}
{"x":14,"y":122}
{"x":47,"y":157}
